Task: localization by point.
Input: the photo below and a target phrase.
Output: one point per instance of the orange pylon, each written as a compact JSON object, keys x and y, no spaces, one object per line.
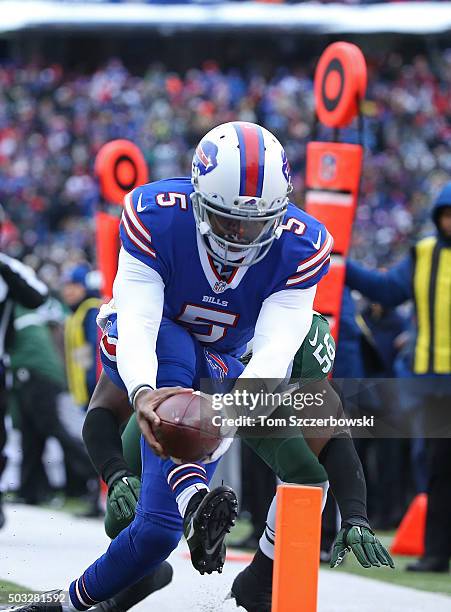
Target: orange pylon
{"x":297,"y":547}
{"x":409,"y":537}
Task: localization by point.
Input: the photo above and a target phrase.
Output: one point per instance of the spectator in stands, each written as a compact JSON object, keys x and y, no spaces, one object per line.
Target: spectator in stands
{"x":49,"y":139}
{"x":424,"y":275}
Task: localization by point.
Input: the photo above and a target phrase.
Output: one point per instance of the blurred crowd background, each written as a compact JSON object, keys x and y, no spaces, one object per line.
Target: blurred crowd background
{"x":350,"y":2}
{"x":53,"y":121}
{"x":54,"y":117}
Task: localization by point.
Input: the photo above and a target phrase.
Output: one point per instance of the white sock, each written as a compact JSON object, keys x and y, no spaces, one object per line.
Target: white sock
{"x":268,"y":537}
{"x":325,"y":488}
{"x":185,"y":496}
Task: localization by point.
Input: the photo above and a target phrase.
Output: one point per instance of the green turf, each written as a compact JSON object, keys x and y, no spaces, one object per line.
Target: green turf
{"x":7,"y":588}
{"x":437,"y":583}
{"x":241,"y":530}
{"x":71,"y":505}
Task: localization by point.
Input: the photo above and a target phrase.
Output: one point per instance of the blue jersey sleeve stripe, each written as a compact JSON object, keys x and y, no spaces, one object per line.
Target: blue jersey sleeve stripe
{"x":297,"y":280}
{"x":134,"y":239}
{"x":138,"y":227}
{"x":307,"y":269}
{"x":126,"y":218}
{"x":317,"y":257}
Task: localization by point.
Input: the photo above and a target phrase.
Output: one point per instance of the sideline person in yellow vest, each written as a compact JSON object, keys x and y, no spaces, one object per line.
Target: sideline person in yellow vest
{"x":424,"y":276}
{"x":81,"y":334}
{"x":81,"y":341}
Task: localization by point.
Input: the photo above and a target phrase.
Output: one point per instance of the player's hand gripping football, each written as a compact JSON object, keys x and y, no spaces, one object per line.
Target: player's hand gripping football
{"x":145,"y":406}
{"x":362,"y":541}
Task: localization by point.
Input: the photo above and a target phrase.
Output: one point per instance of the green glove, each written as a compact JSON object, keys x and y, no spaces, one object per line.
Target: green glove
{"x":123,"y":494}
{"x":363,"y":543}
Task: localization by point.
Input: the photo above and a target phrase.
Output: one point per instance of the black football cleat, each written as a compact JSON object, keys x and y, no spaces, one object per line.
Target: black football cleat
{"x":50,"y":604}
{"x":208,"y":518}
{"x":131,"y":596}
{"x":252,"y":587}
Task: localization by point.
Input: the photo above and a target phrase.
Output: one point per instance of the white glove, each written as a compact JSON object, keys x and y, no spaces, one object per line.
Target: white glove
{"x":221,"y":450}
{"x":106,"y":310}
{"x":228,"y":433}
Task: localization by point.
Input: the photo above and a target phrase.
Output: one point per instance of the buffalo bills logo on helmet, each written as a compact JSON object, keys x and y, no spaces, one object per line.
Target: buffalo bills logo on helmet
{"x":286,"y":170}
{"x":205,"y":157}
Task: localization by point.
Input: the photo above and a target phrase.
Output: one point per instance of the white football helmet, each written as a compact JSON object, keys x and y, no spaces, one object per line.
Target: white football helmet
{"x":241,"y":180}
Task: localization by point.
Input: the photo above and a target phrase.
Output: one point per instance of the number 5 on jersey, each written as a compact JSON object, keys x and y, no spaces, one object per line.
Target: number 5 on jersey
{"x":216,"y":321}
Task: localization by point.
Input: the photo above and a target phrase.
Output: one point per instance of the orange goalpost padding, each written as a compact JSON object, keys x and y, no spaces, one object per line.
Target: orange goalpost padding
{"x":297,"y":549}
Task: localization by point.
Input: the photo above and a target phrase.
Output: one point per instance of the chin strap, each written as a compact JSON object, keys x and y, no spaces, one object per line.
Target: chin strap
{"x":226,"y":257}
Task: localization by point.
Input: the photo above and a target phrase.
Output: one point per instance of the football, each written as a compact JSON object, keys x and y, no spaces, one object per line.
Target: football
{"x":187,"y":432}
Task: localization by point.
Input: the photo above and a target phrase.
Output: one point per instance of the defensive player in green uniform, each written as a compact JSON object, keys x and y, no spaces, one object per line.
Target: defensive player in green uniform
{"x":326,"y":456}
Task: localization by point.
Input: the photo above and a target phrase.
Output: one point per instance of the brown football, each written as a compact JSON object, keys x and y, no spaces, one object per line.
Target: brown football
{"x":187,"y":431}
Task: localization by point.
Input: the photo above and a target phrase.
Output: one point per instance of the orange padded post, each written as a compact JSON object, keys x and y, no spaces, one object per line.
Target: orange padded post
{"x":332,"y":180}
{"x":334,"y":168}
{"x":107,"y":245}
{"x":297,"y":548}
{"x":119,"y":167}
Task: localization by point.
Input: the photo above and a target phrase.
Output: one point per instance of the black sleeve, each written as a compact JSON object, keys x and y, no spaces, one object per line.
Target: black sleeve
{"x":347,"y":481}
{"x":104,"y":444}
{"x":23,"y":285}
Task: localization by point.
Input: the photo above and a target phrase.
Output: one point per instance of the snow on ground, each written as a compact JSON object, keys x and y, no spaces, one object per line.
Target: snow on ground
{"x":44,"y":549}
